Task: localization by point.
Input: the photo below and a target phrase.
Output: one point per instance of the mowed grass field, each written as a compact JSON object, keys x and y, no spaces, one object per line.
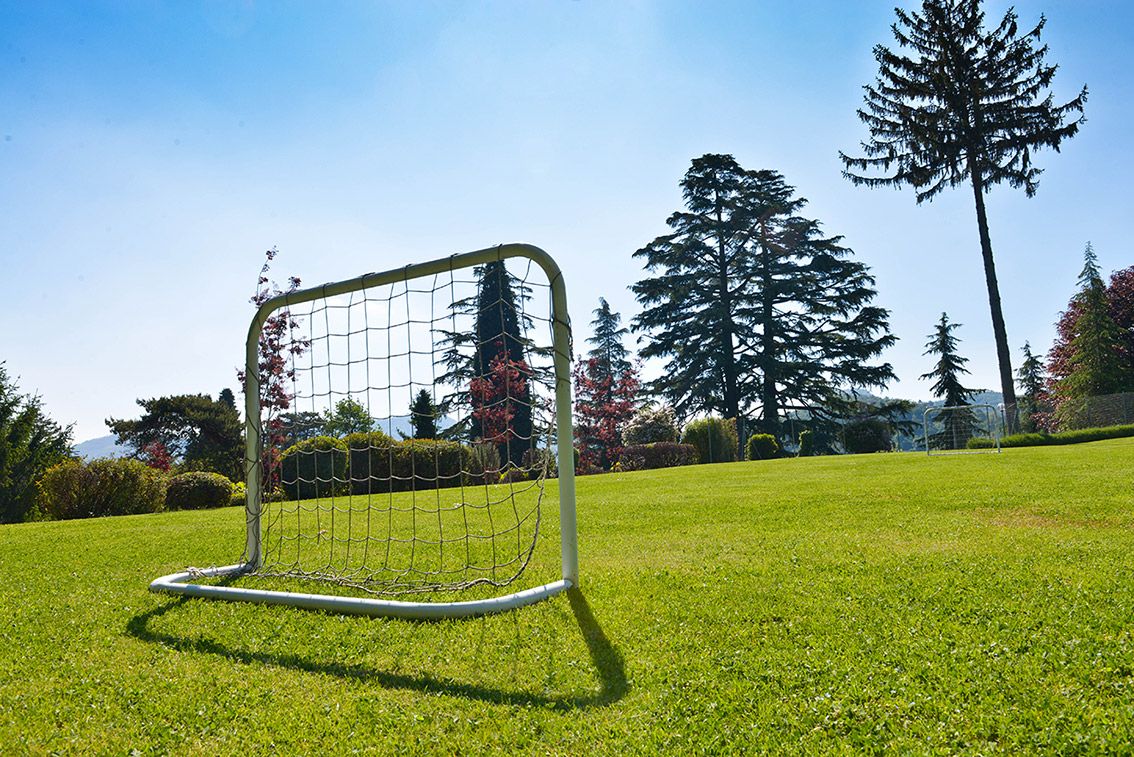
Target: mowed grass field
{"x":980,"y":603}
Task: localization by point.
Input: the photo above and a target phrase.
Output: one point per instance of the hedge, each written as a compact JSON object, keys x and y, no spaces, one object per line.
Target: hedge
{"x":198,"y":491}
{"x":315,"y":468}
{"x":111,"y":486}
{"x":1077,"y":436}
{"x":714,"y":438}
{"x":762,"y":447}
{"x":657,"y":455}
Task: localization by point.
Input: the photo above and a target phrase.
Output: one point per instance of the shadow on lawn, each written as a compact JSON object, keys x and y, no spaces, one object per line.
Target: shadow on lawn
{"x":607,"y":661}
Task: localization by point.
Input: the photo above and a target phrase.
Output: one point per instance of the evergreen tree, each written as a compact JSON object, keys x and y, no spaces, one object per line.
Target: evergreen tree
{"x":967,"y":105}
{"x":753,"y":307}
{"x":30,"y":443}
{"x":604,"y":404}
{"x":608,"y":350}
{"x":1096,"y":362}
{"x":1031,"y":378}
{"x":480,"y":365}
{"x":423,"y":416}
{"x":958,"y":422}
{"x":206,"y":434}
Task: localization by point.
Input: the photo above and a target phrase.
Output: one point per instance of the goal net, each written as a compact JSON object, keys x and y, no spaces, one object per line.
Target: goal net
{"x":962,"y":429}
{"x":401,"y":428}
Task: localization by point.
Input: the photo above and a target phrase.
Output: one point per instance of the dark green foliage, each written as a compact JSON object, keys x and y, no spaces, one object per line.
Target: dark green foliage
{"x":371,"y":460}
{"x":608,"y":350}
{"x":202,"y":433}
{"x":764,"y":446}
{"x":1078,"y":436}
{"x":714,"y":438}
{"x":752,"y":307}
{"x":198,"y":490}
{"x":315,"y":468}
{"x":648,"y":426}
{"x":347,"y":417}
{"x":296,"y":427}
{"x":968,"y":105}
{"x":1097,"y":363}
{"x":980,"y":442}
{"x":957,"y":423}
{"x":121,"y":486}
{"x":657,"y":455}
{"x":421,"y":464}
{"x":30,"y":443}
{"x":423,"y":416}
{"x":867,"y":435}
{"x":806,"y":443}
{"x":1031,"y":378}
{"x":499,"y":333}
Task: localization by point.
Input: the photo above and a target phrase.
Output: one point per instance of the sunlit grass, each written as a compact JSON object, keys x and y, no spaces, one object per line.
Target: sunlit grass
{"x":954,"y":604}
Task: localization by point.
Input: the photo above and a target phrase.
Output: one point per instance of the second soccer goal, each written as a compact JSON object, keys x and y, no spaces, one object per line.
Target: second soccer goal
{"x":402,"y":430}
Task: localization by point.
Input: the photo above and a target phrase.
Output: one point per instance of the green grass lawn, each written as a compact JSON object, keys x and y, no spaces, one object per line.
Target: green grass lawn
{"x":974,"y":603}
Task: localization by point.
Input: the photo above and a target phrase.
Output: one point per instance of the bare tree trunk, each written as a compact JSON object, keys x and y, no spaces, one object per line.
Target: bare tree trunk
{"x":1004,"y":357}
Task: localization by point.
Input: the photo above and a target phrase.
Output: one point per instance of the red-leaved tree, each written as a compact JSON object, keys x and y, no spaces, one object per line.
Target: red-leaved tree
{"x":280,"y":343}
{"x":604,"y":402}
{"x":156,"y":456}
{"x":496,"y":398}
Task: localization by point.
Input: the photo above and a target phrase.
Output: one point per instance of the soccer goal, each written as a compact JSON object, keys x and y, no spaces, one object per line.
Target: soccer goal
{"x":961,"y":429}
{"x":400,"y":430}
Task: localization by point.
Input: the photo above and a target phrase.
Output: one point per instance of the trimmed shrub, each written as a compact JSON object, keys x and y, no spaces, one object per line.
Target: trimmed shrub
{"x":762,"y":447}
{"x":315,"y":468}
{"x":1077,"y":436}
{"x":657,"y":455}
{"x":484,"y":463}
{"x":980,"y":442}
{"x":650,"y":425}
{"x":806,"y":443}
{"x":867,"y":435}
{"x":370,"y":460}
{"x":421,"y":464}
{"x":535,"y":460}
{"x":239,"y":494}
{"x":198,"y":491}
{"x":119,"y":486}
{"x":714,"y":438}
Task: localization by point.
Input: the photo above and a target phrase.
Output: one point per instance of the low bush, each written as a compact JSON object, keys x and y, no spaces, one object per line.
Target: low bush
{"x":198,"y":491}
{"x":315,"y":468}
{"x":1077,"y":436}
{"x":370,"y":461}
{"x":650,"y":425}
{"x":762,"y":447}
{"x":714,"y":438}
{"x":980,"y":442}
{"x":867,"y":435}
{"x":421,"y":464}
{"x":806,"y":443}
{"x":537,"y":461}
{"x":657,"y":455}
{"x":121,"y":486}
{"x":484,"y":463}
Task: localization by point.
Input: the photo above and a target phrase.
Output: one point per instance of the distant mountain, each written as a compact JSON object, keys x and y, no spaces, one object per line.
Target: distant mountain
{"x":103,"y":446}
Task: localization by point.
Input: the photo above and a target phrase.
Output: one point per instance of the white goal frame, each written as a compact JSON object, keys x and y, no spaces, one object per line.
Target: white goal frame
{"x":183,"y":582}
{"x":994,"y":412}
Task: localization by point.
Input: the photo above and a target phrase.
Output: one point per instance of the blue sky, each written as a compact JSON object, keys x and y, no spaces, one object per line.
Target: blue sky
{"x":151,"y":151}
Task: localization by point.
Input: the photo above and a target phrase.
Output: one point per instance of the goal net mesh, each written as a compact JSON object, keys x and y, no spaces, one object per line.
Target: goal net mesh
{"x":406,"y":431}
{"x":962,"y":428}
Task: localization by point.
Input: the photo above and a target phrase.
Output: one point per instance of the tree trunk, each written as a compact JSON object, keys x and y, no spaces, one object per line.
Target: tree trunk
{"x":769,"y":398}
{"x":728,"y":356}
{"x":1004,"y":357}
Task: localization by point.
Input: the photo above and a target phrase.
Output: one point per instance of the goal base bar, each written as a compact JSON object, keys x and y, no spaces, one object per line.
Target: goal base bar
{"x":181,"y":583}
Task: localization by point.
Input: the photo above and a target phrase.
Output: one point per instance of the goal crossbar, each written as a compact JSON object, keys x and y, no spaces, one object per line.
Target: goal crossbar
{"x":186,"y":582}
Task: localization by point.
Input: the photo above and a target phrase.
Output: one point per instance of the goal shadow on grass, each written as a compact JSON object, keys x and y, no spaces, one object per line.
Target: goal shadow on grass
{"x":607,"y":661}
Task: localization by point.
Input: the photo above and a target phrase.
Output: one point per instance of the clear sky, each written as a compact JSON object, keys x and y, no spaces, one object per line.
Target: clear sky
{"x":151,"y":151}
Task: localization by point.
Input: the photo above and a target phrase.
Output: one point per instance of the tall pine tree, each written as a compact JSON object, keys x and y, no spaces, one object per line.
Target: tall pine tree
{"x":756,"y":312}
{"x":606,"y":341}
{"x":958,"y":104}
{"x":423,"y":416}
{"x":488,"y":366}
{"x":1031,"y":379}
{"x":606,"y":390}
{"x":958,"y":422}
{"x":1096,"y":361}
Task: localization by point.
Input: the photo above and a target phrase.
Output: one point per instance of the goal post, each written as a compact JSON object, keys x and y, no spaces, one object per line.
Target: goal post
{"x":388,"y":518}
{"x":959,"y":429}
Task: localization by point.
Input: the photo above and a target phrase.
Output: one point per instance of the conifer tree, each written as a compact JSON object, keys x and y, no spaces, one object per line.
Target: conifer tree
{"x":1031,"y":378}
{"x":30,"y":443}
{"x":959,"y":103}
{"x":608,"y":349}
{"x":423,"y":416}
{"x":1096,"y":363}
{"x":755,"y":311}
{"x":480,"y":365}
{"x":958,"y":422}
